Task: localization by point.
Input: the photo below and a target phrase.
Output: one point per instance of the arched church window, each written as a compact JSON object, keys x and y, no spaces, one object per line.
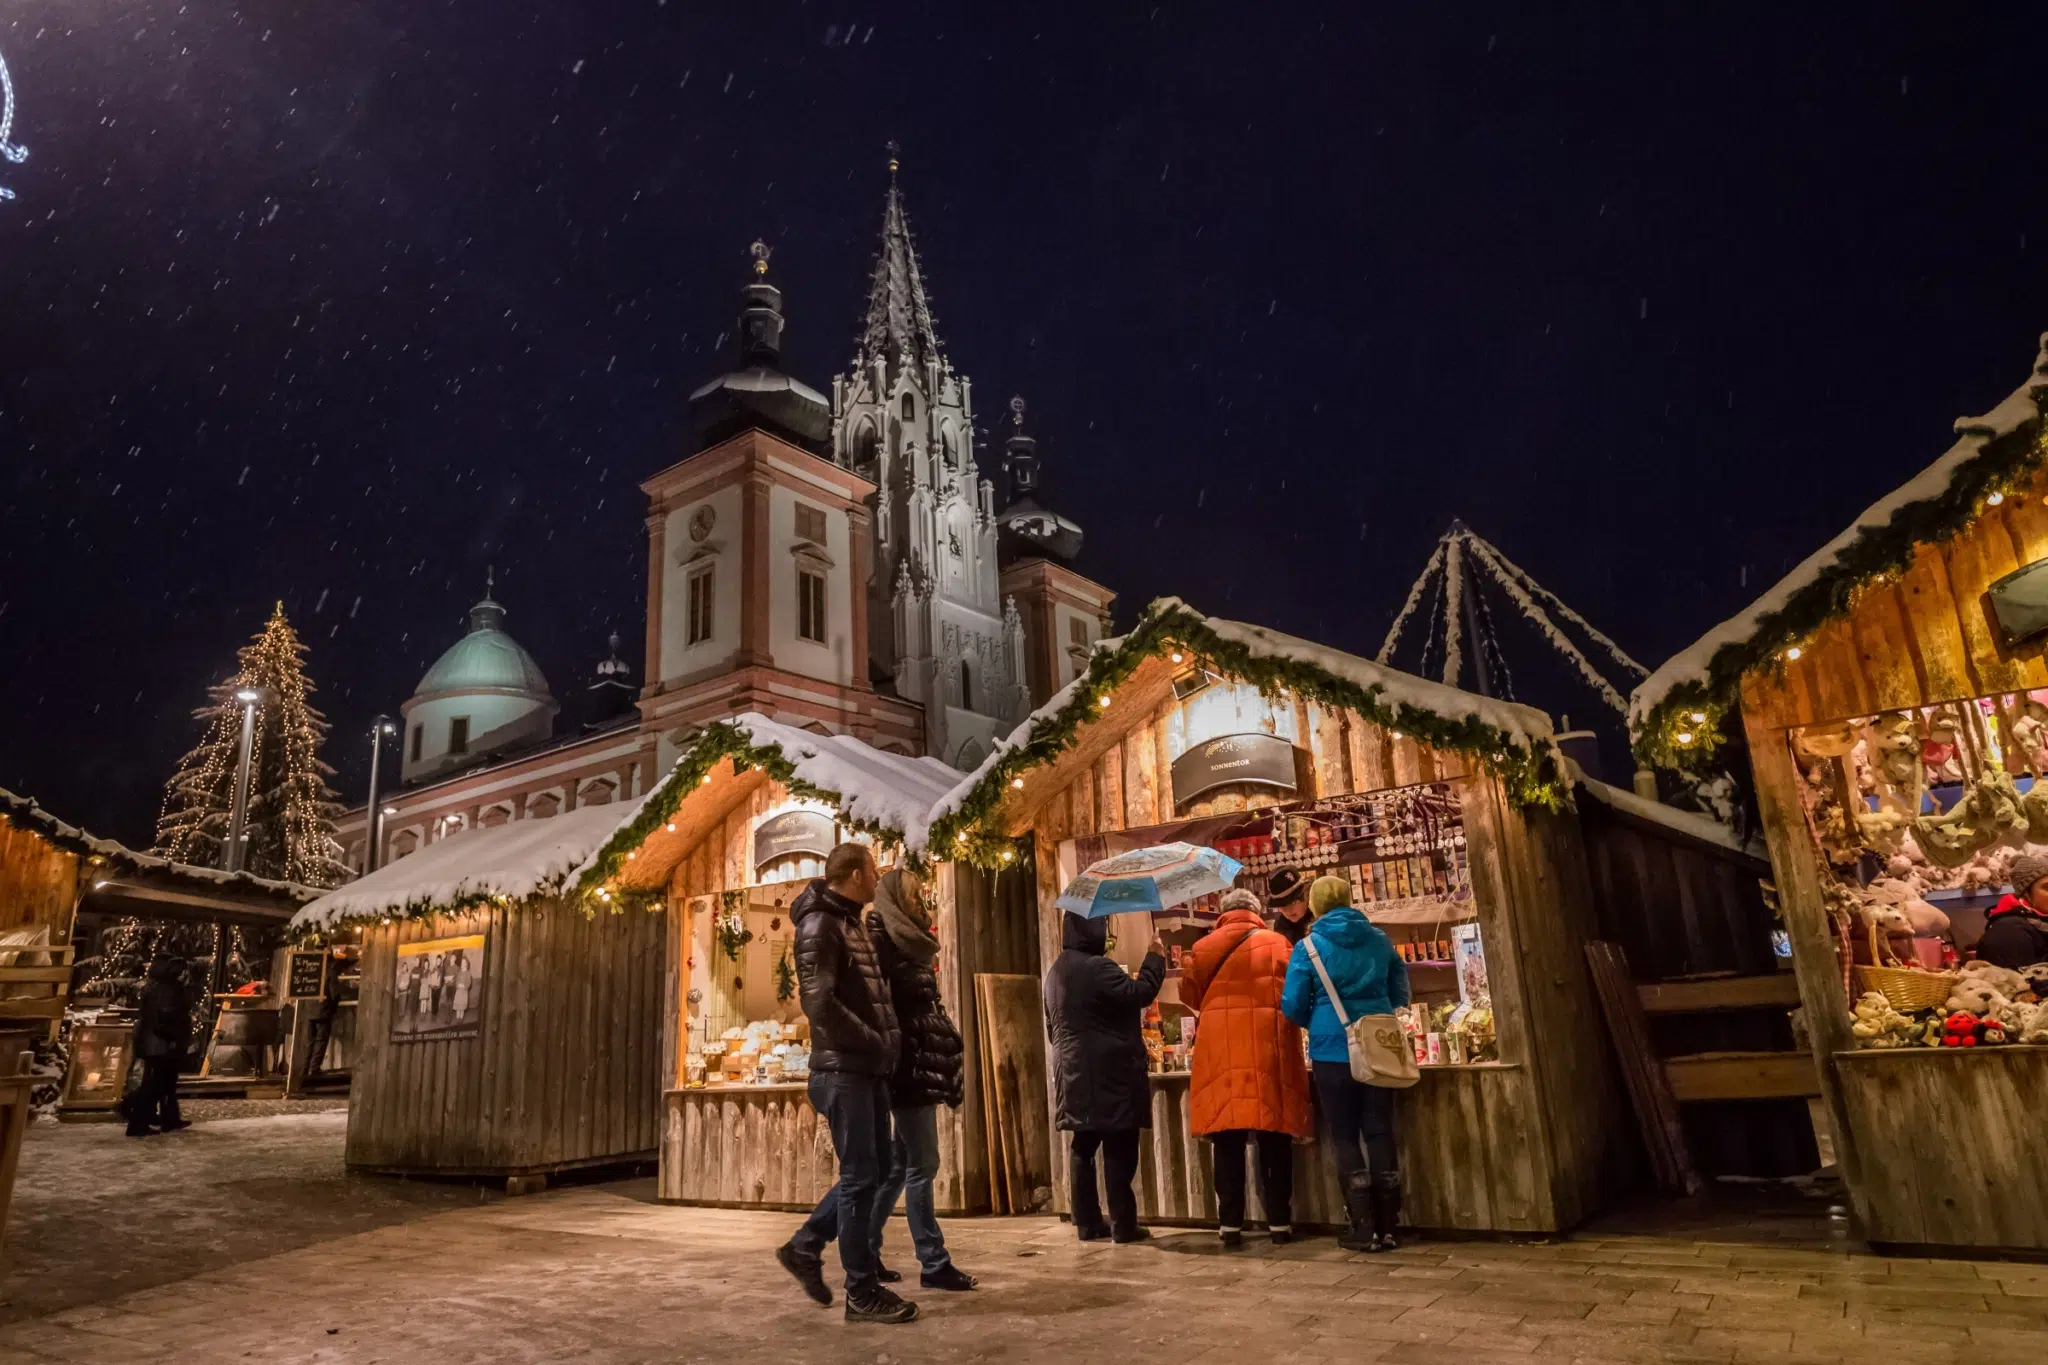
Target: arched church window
{"x":966,"y":687}
{"x":909,"y":408}
{"x":951,"y":442}
{"x":866,"y":446}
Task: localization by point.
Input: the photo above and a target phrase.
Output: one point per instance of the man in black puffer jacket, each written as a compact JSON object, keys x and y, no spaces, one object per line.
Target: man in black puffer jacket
{"x":928,"y":1074}
{"x":855,"y":1043}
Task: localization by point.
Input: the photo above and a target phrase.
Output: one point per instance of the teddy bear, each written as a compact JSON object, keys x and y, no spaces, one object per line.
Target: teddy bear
{"x":1960,"y":1030}
{"x":1876,"y":1023}
{"x":2003,"y":980}
{"x":1972,"y":996}
{"x":2034,"y":1025}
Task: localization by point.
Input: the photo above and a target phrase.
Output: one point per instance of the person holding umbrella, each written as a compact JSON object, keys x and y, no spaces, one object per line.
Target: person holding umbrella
{"x":1094,"y":1017}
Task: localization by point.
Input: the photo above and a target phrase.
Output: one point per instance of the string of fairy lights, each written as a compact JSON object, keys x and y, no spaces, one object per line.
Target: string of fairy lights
{"x":9,"y":149}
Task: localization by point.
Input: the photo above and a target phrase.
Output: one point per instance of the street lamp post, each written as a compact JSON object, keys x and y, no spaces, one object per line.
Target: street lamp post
{"x":372,"y":813}
{"x":231,"y":859}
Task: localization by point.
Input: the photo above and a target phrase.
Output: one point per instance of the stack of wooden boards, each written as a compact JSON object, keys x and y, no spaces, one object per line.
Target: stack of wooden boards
{"x":1010,"y":1015}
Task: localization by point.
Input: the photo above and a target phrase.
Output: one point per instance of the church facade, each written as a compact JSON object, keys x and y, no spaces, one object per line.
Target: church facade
{"x":841,"y":563}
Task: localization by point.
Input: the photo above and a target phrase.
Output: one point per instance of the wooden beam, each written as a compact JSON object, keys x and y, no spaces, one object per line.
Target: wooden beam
{"x":1720,"y":993}
{"x":1741,"y":1076}
{"x":1656,"y":1107}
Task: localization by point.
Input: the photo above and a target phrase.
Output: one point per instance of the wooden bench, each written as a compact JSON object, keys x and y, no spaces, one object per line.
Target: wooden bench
{"x":53,"y":982}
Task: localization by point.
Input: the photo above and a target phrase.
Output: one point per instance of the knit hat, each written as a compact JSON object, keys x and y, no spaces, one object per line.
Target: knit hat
{"x":2027,"y":869}
{"x":1237,"y":898}
{"x":1328,"y":893}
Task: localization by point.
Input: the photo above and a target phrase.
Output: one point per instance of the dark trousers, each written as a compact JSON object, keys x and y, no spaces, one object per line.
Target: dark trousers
{"x":1276,"y":1176}
{"x":1358,"y":1121}
{"x":154,"y":1102}
{"x":318,"y":1033}
{"x":915,"y":1164}
{"x":1119,"y":1168}
{"x":856,"y":1109}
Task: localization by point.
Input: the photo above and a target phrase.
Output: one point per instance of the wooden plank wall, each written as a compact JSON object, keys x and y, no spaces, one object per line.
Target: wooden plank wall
{"x":564,"y":1073}
{"x":760,"y":1147}
{"x":1675,"y":908}
{"x":1926,"y":636}
{"x":1951,"y":1146}
{"x":723,"y":861}
{"x":1471,"y":1158}
{"x":38,"y":883}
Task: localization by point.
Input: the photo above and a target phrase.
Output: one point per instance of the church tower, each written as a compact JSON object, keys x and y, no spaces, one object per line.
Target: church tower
{"x":1064,"y":611}
{"x":939,"y":627}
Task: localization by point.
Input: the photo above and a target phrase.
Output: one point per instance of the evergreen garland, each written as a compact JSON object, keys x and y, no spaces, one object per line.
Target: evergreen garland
{"x":1669,"y":736}
{"x":1532,"y":777}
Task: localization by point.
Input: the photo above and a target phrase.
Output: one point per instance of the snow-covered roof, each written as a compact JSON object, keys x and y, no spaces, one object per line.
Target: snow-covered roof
{"x":1523,"y":726}
{"x":25,"y":812}
{"x":1697,"y":664}
{"x":1689,"y":823}
{"x":515,"y":861}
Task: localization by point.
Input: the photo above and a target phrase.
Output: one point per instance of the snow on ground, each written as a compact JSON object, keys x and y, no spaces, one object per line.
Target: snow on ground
{"x":97,"y":1213}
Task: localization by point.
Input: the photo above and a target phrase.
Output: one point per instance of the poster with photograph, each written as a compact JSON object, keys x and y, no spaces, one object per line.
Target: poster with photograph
{"x":439,"y":991}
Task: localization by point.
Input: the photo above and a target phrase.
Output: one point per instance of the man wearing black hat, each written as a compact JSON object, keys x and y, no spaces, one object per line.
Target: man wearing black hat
{"x":1287,"y":899}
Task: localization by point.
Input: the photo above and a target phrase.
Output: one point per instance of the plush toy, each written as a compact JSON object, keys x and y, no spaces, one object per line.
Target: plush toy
{"x":1924,"y":920}
{"x":2004,"y":980}
{"x":1974,"y":997}
{"x":2035,"y":1027}
{"x":1877,"y":1024}
{"x":1960,"y":1030}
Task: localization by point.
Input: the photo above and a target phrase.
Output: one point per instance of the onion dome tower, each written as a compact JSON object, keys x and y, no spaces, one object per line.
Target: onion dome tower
{"x":759,"y":394}
{"x":1028,"y":529}
{"x":485,"y":695}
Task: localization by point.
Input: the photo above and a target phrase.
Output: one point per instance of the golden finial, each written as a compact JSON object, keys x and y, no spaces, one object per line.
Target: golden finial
{"x":1017,"y":411}
{"x":761,"y":252}
{"x":894,"y":152}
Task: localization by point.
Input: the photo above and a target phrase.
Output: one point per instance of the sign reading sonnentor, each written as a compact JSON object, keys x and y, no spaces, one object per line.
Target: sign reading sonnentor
{"x":1266,"y":760}
{"x":796,"y":831}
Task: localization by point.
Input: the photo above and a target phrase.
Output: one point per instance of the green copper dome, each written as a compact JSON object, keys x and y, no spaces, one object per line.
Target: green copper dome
{"x":485,"y":659}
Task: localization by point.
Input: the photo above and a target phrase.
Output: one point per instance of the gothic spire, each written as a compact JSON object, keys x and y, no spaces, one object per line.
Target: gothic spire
{"x":899,"y":322}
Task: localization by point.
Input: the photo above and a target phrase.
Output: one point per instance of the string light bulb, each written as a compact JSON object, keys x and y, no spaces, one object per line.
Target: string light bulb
{"x":1684,"y":736}
{"x":1017,"y":783}
{"x":1792,"y":653}
{"x":1176,"y":656}
{"x":1699,"y":718}
{"x":1995,"y":499}
{"x":1103,"y":701}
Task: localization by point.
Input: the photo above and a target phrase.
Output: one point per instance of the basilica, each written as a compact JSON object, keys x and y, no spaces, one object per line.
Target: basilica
{"x":842,"y":563}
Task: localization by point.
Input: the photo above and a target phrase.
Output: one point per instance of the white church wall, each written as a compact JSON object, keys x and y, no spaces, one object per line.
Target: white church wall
{"x":720,"y":548}
{"x":495,"y":721}
{"x":1066,"y":666}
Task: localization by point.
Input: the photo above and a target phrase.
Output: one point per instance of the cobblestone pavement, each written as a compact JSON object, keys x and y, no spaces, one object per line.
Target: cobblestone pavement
{"x":602,"y":1274}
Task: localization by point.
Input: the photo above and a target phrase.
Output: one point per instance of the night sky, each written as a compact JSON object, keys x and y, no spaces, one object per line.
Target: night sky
{"x":338,"y":303}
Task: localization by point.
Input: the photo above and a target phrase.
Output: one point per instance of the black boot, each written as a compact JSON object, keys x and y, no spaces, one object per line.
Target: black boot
{"x":1386,"y":1210}
{"x":1358,"y":1208}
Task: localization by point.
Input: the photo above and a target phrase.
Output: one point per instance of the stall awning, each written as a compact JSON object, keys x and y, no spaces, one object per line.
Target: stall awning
{"x":510,"y":862}
{"x":1943,"y":498}
{"x":117,"y":880}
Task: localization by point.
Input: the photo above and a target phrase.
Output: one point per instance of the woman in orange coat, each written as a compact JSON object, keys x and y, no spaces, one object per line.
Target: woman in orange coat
{"x":1250,"y":1083}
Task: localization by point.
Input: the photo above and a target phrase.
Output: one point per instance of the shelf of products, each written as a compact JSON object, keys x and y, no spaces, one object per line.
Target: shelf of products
{"x":1404,"y":852}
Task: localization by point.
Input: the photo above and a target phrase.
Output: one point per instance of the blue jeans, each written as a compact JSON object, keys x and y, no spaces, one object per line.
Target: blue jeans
{"x":856,"y":1109}
{"x":914,"y":1166}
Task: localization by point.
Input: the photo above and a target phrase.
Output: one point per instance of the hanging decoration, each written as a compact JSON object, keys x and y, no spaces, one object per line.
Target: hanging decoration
{"x":9,"y":149}
{"x":1463,"y":608}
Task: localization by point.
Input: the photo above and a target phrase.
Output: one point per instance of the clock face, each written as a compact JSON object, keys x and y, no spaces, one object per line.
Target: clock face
{"x":701,"y":522}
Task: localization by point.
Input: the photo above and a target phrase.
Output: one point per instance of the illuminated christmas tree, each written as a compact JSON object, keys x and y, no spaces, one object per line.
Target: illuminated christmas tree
{"x":290,"y":821}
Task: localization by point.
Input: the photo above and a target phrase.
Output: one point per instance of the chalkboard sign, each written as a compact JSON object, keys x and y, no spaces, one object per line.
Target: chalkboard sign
{"x":307,"y":971}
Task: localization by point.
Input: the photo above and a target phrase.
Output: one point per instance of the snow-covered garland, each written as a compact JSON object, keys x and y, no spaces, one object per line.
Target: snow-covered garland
{"x":1530,"y":773}
{"x":717,"y":742}
{"x":1559,"y":641}
{"x":1429,"y":570}
{"x":1683,"y":727}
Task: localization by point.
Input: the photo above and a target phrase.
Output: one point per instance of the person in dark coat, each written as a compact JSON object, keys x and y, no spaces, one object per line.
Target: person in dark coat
{"x":855,"y":1045}
{"x":1287,"y":902}
{"x":163,"y":1032}
{"x":929,"y":1073}
{"x":2016,"y":930}
{"x":1093,"y":1014}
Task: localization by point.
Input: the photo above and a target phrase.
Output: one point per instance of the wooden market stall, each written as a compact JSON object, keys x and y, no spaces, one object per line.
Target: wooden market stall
{"x":1447,"y":810}
{"x":1894,"y":696}
{"x":508,"y":1021}
{"x":728,"y":840}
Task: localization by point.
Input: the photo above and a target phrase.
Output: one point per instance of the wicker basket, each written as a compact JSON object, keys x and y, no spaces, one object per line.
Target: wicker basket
{"x":1906,"y":989}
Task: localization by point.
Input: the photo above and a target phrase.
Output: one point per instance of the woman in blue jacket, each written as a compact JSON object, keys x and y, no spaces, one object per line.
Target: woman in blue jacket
{"x":1359,"y":1118}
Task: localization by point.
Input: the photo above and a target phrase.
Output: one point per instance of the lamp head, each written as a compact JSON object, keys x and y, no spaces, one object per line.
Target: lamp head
{"x":248,"y":696}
